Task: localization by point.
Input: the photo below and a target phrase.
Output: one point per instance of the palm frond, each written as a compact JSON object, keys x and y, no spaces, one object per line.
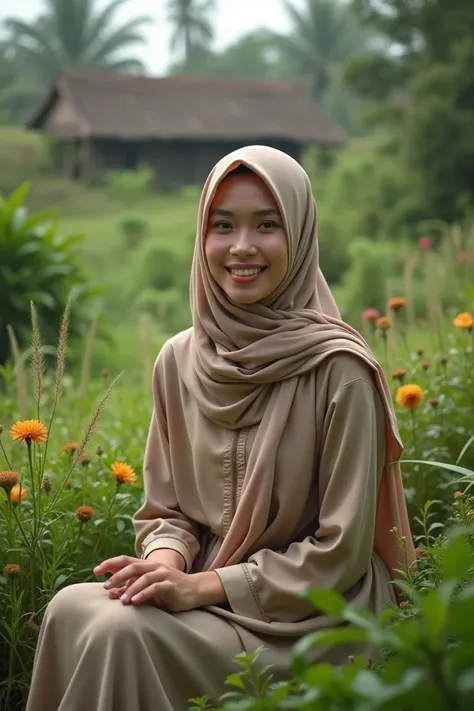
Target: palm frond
{"x":120,"y":40}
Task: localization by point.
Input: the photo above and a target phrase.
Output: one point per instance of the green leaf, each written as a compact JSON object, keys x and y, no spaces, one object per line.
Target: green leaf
{"x":457,"y":557}
{"x":434,"y":615}
{"x":336,"y":635}
{"x":328,"y":601}
{"x":236,"y":680}
{"x":15,"y":200}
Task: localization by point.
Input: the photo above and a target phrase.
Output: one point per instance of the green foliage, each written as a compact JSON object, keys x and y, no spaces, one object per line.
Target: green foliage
{"x":130,"y":185}
{"x":191,"y":25}
{"x":134,"y":230}
{"x":37,"y":264}
{"x":426,"y":657}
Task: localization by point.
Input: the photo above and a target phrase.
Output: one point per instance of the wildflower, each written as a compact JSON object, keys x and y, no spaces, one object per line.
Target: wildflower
{"x":84,"y":513}
{"x":31,"y":627}
{"x":11,"y":569}
{"x":420,"y":351}
{"x":399,"y":374}
{"x":464,"y":320}
{"x":444,"y":359}
{"x":29,"y":431}
{"x":85,"y":460}
{"x":370,"y":315}
{"x":421,"y":553}
{"x":425,"y":243}
{"x":409,"y":396}
{"x":46,"y":483}
{"x":383,"y":323}
{"x":434,"y":402}
{"x":70,"y":447}
{"x":17,"y":493}
{"x":104,"y":373}
{"x":458,"y":494}
{"x":68,"y":485}
{"x":463,"y":258}
{"x":396,"y":303}
{"x":99,"y":451}
{"x":405,"y":605}
{"x":8,"y":480}
{"x":425,"y":364}
{"x":123,"y":473}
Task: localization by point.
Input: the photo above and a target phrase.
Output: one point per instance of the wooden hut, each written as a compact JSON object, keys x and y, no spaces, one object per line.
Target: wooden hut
{"x":181,"y":126}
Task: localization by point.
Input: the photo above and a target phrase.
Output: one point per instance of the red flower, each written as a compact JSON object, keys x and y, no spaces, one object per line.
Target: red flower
{"x":425,"y":243}
{"x":370,"y":315}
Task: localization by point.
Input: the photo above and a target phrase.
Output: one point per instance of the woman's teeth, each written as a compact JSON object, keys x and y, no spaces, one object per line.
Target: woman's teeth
{"x":246,"y":272}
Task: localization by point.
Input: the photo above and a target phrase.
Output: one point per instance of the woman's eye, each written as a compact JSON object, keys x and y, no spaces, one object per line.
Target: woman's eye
{"x":269,"y":225}
{"x":222,"y":225}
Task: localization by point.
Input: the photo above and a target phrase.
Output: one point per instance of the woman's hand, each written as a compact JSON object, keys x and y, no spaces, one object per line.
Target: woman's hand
{"x":153,"y":582}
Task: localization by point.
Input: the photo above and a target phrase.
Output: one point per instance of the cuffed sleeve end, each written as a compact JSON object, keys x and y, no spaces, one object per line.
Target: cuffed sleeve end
{"x":241,"y":592}
{"x":171,"y":543}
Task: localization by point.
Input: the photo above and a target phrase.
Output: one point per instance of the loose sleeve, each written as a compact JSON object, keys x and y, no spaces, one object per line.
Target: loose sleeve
{"x":159,"y":523}
{"x":268,"y":586}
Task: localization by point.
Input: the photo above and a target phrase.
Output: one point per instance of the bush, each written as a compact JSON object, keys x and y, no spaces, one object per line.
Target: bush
{"x":133,"y":230}
{"x":37,"y":264}
{"x":130,"y":185}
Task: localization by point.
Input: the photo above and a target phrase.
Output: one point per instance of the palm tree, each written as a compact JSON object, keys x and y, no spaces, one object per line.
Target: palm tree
{"x":324,"y":34}
{"x":191,"y":25}
{"x":75,"y":33}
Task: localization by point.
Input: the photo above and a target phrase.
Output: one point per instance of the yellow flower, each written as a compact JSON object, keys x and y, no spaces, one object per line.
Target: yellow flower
{"x":70,"y":447}
{"x":84,"y":513}
{"x":464,"y":320}
{"x":12,"y":569}
{"x":15,"y":494}
{"x":383,"y":323}
{"x":396,"y":303}
{"x":410,"y":396}
{"x":123,"y":473}
{"x":8,"y":480}
{"x":29,"y":431}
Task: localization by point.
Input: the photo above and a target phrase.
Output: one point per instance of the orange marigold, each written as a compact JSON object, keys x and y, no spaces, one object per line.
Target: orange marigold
{"x":123,"y":473}
{"x":70,"y":447}
{"x":410,"y":396}
{"x":464,"y":320}
{"x":396,"y":303}
{"x":383,"y":323}
{"x":84,"y":513}
{"x":12,"y":569}
{"x":399,"y":374}
{"x":8,"y":480}
{"x":29,"y":431}
{"x":15,"y":495}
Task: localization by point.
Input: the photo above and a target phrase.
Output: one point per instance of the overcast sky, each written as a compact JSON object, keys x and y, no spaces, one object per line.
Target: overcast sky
{"x":234,"y":18}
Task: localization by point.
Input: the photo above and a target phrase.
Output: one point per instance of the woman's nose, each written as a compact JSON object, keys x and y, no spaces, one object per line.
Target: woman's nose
{"x":243,"y":243}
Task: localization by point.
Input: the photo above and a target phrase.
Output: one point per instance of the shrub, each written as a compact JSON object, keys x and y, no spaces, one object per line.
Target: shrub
{"x":133,"y":230}
{"x":37,"y":264}
{"x":130,"y":185}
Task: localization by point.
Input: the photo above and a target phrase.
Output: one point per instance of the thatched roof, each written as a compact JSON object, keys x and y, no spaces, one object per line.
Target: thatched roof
{"x":127,"y":107}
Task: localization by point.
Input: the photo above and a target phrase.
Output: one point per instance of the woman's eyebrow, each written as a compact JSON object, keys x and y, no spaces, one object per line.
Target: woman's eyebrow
{"x":259,"y":213}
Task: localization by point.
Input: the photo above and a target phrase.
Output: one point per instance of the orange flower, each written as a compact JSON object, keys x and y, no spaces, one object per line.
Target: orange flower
{"x":410,"y":396}
{"x":70,"y":447}
{"x":123,"y":473}
{"x":29,"y":431}
{"x":85,"y":460}
{"x":15,"y":493}
{"x":8,"y":480}
{"x":396,"y":303}
{"x":464,"y":320}
{"x":12,"y":569}
{"x":84,"y":513}
{"x":399,"y":374}
{"x":383,"y":323}
{"x":425,"y":364}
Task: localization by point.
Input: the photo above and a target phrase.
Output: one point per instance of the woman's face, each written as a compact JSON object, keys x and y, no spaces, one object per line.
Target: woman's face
{"x":246,"y":245}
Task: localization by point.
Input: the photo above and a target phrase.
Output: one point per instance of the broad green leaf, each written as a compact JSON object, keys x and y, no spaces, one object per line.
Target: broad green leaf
{"x":457,"y":557}
{"x":327,"y":601}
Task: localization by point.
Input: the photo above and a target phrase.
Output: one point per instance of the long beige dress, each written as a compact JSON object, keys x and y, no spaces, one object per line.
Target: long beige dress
{"x":97,"y":654}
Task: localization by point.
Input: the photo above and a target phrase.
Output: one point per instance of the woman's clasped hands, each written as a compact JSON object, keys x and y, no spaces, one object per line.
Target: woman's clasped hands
{"x":160,"y":581}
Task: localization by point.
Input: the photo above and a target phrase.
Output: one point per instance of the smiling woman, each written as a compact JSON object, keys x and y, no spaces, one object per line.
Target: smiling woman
{"x":271,"y":466}
{"x":246,"y":244}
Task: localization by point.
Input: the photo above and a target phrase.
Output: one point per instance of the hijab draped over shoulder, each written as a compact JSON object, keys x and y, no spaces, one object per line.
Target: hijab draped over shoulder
{"x":243,"y":361}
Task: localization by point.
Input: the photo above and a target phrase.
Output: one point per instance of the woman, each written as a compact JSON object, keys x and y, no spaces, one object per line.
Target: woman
{"x":271,"y":466}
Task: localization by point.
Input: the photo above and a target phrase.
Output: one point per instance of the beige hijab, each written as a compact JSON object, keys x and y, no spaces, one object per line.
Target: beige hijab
{"x":244,"y":360}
